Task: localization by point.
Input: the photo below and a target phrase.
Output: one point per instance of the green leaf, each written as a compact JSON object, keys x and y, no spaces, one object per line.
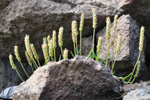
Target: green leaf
{"x":105,"y":59}
{"x":72,"y":54}
{"x":90,"y":53}
{"x":59,"y":58}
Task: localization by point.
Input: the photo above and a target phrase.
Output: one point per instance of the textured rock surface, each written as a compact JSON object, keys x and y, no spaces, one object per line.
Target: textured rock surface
{"x":140,"y":11}
{"x":137,"y":91}
{"x":8,"y":76}
{"x":80,"y":78}
{"x":129,"y":30}
{"x":40,"y":17}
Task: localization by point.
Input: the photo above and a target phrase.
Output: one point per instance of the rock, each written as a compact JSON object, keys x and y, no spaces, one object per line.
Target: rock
{"x":40,"y":18}
{"x":8,"y":76}
{"x":80,"y":78}
{"x":125,"y":60}
{"x":140,"y":11}
{"x":139,"y":91}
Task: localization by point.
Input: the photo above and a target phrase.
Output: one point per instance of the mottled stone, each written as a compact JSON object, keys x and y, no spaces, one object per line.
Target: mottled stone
{"x":80,"y":78}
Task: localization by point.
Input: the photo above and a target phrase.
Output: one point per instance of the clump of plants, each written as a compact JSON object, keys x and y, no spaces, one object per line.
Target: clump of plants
{"x":49,"y":48}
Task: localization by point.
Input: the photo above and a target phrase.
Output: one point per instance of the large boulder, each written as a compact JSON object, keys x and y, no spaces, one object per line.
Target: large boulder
{"x":40,"y":18}
{"x":140,"y":11}
{"x":129,"y":30}
{"x":80,"y":78}
{"x":137,"y":91}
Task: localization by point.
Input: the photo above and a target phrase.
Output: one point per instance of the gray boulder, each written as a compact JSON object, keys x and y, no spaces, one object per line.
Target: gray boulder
{"x":40,"y":18}
{"x":80,"y":78}
{"x":129,"y":29}
{"x":137,"y":91}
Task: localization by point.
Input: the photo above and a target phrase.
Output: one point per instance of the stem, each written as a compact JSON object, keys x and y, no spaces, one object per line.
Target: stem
{"x":38,"y":62}
{"x":80,"y":42}
{"x":97,"y":56}
{"x":54,"y":55}
{"x":36,"y":66}
{"x":52,"y":58}
{"x":24,"y":69}
{"x":77,"y":46}
{"x":19,"y":75}
{"x":32,"y":68}
{"x":114,"y":63}
{"x":61,"y":51}
{"x":74,"y":48}
{"x":93,"y":41}
{"x":107,"y":54}
{"x":135,"y":66}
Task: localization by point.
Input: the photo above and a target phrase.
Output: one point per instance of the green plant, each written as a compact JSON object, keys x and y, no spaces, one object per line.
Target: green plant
{"x":49,"y":46}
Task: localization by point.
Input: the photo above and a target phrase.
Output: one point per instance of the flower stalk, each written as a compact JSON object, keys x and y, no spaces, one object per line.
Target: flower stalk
{"x":19,"y":59}
{"x":80,"y":29}
{"x":14,"y":66}
{"x":94,"y":28}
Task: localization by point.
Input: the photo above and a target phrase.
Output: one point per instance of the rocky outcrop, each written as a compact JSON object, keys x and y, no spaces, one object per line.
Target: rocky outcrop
{"x":40,"y":18}
{"x":129,"y":30}
{"x":80,"y":78}
{"x":137,"y":91}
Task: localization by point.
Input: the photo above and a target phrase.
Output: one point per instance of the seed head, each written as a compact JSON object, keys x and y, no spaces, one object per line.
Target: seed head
{"x":74,"y":27}
{"x":17,"y":53}
{"x":94,"y":18}
{"x":34,"y":51}
{"x":28,"y":58}
{"x":12,"y":62}
{"x":108,"y":28}
{"x":45,"y":52}
{"x":54,"y":39}
{"x":100,"y":40}
{"x":65,"y":54}
{"x":81,"y":22}
{"x":48,"y":39}
{"x":44,"y":40}
{"x":60,"y":36}
{"x":51,"y":48}
{"x":141,"y":38}
{"x":115,"y":22}
{"x":118,"y":44}
{"x":27,"y":45}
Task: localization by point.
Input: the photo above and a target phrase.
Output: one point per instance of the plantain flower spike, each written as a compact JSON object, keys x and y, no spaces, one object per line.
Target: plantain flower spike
{"x":100,"y":40}
{"x":81,"y":22}
{"x":34,"y":52}
{"x":94,"y":18}
{"x":74,"y":28}
{"x":54,"y":39}
{"x":60,"y":36}
{"x":48,"y":39}
{"x":51,"y":48}
{"x":44,"y":40}
{"x":28,"y":58}
{"x":118,"y":44}
{"x":17,"y":53}
{"x":44,"y":48}
{"x":115,"y":22}
{"x":27,"y":45}
{"x":141,"y":38}
{"x":108,"y":28}
{"x":12,"y":62}
{"x":65,"y":54}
